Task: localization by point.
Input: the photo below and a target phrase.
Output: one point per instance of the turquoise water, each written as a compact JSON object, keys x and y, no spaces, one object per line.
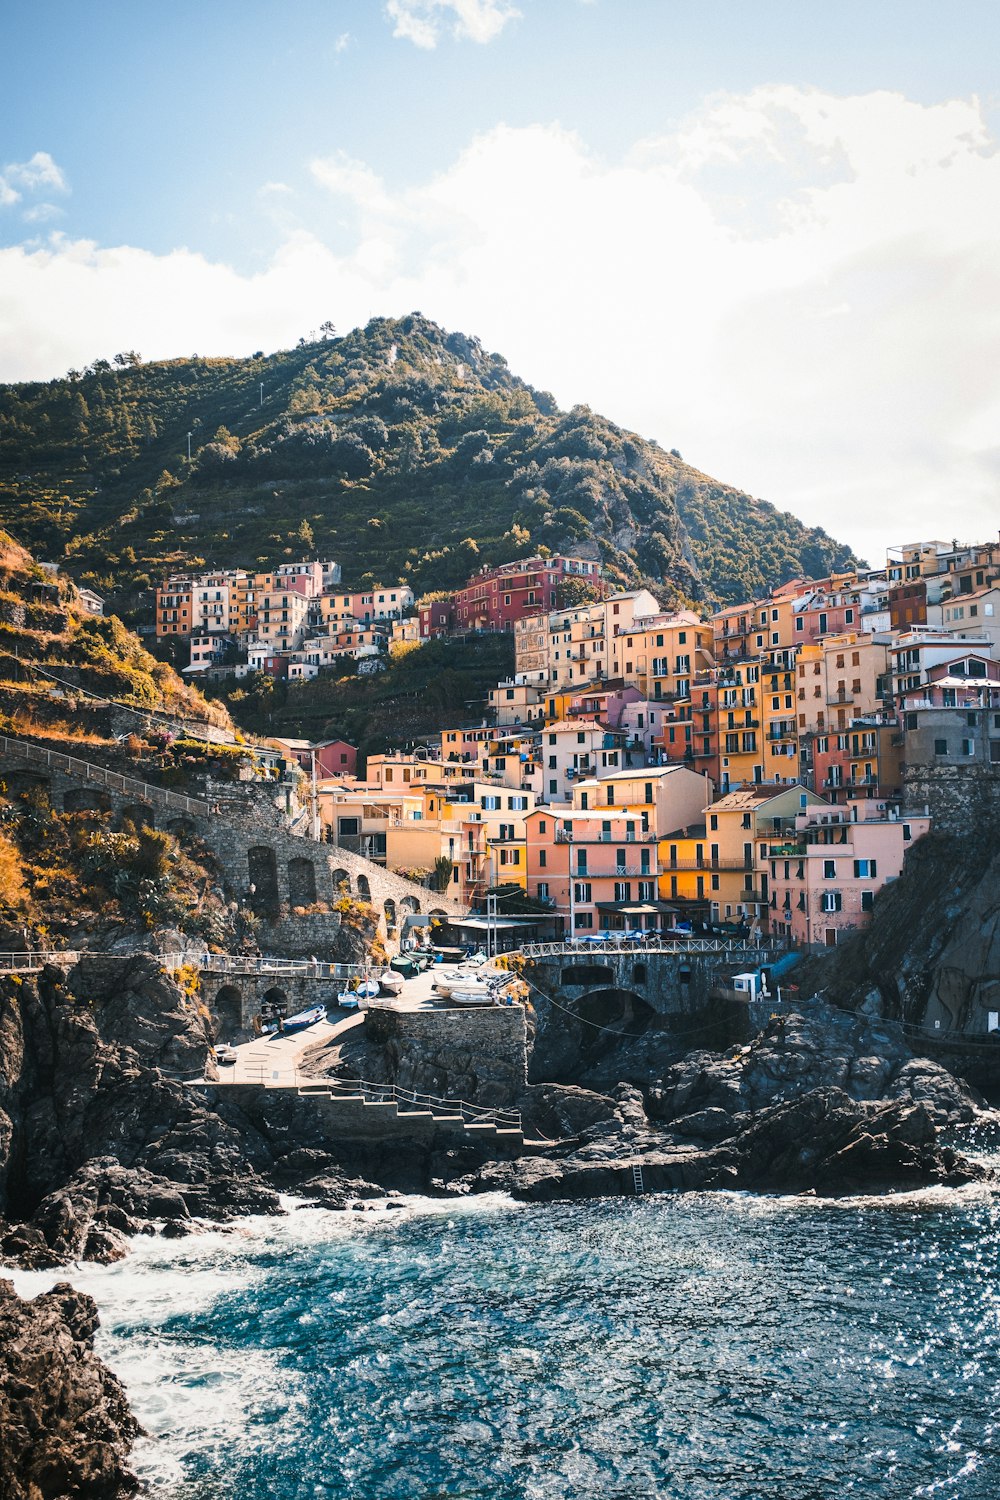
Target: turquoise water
{"x":703,"y":1347}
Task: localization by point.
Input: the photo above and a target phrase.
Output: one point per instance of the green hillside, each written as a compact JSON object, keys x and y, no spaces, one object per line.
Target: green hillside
{"x":402,"y":451}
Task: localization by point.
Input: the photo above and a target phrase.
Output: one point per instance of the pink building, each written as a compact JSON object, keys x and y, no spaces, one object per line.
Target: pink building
{"x":597,"y":869}
{"x":827,"y":867}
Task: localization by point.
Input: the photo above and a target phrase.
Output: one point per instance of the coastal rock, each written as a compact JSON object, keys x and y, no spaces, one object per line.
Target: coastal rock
{"x":830,"y":1143}
{"x":65,"y":1425}
{"x":947,"y":1099}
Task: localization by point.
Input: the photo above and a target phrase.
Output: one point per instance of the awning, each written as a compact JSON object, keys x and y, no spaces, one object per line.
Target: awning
{"x":485,"y":924}
{"x":636,"y":908}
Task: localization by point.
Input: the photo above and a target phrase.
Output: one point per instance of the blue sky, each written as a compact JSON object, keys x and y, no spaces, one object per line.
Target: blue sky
{"x":765,"y":232}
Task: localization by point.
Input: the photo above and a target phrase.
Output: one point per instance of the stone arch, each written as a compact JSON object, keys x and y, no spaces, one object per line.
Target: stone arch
{"x":274,"y":1002}
{"x":587,"y":974}
{"x":364,"y":888}
{"x":227,"y":1011}
{"x":27,"y":784}
{"x":86,"y":799}
{"x":438,"y":911}
{"x":140,"y":814}
{"x":640,"y":974}
{"x":301,"y":881}
{"x":180,"y":827}
{"x":262,"y":873}
{"x":610,"y":1017}
{"x":389,"y":907}
{"x":410,"y":904}
{"x":340,"y":879}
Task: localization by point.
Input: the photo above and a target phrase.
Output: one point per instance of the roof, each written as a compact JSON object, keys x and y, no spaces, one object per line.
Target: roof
{"x":641,"y":773}
{"x":753,"y":796}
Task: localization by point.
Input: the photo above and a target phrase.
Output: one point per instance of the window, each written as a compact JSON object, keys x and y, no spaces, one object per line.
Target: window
{"x":830,"y":901}
{"x":713,"y":822}
{"x":864,"y":869}
{"x":940,"y":747}
{"x":583,"y":919}
{"x":490,"y":804}
{"x":517,"y":804}
{"x":541,"y":825}
{"x":829,"y":869}
{"x":867,"y":900}
{"x":543,"y":858}
{"x":623,"y":890}
{"x":582,"y":890}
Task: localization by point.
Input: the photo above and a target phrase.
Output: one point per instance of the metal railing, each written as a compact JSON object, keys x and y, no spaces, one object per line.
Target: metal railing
{"x":660,"y":943}
{"x":55,"y":760}
{"x":394,"y":1093}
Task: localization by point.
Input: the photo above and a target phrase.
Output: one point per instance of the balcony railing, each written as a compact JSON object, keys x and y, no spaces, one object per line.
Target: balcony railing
{"x":709,"y":865}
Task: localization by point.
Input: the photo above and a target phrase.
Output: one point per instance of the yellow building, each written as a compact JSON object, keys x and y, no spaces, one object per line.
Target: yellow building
{"x":779,"y":736}
{"x":741,"y":757}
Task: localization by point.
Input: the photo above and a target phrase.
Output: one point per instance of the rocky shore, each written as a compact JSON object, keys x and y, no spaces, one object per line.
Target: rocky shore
{"x":65,"y":1424}
{"x":101,"y":1139}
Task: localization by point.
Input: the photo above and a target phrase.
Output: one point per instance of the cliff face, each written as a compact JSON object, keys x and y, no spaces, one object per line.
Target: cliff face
{"x":65,"y":1425}
{"x":932,"y":953}
{"x":95,"y":1138}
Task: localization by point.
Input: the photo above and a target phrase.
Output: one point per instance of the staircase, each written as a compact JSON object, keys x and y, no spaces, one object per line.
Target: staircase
{"x":413,"y":1109}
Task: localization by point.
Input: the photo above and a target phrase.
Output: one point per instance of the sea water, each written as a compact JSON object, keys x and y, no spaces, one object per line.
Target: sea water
{"x":697,"y":1346}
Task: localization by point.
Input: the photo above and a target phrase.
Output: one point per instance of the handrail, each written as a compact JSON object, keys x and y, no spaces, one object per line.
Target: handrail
{"x":474,"y":1114}
{"x":58,"y":761}
{"x":684,"y":946}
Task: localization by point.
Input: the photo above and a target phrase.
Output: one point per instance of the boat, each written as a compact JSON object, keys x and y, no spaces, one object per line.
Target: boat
{"x":390,"y":983}
{"x":476,"y":994}
{"x":348,"y":999}
{"x":473,"y":990}
{"x":302,"y":1019}
{"x":367,"y":989}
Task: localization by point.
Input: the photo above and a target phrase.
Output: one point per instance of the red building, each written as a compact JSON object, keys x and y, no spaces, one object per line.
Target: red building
{"x":333,"y":757}
{"x":497,"y":597}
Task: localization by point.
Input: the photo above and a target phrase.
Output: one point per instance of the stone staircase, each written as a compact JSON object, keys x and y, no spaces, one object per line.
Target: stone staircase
{"x":417,"y":1113}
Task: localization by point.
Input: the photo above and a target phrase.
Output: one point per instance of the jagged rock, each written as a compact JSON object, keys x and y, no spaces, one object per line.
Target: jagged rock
{"x":834,"y":1144}
{"x":947,"y":1099}
{"x":65,"y":1425}
{"x":557,"y":1109}
{"x":706,"y":1125}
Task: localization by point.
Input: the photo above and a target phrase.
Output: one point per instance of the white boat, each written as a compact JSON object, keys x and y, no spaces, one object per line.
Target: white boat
{"x":486,"y":994}
{"x":474,"y":990}
{"x":348,"y":999}
{"x":390,"y":983}
{"x":367,"y":989}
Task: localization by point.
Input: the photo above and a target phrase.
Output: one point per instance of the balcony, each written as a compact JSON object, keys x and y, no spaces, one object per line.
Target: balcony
{"x":703,"y":866}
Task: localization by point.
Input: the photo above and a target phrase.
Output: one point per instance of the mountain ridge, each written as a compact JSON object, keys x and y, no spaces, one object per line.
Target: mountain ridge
{"x":403,"y":451}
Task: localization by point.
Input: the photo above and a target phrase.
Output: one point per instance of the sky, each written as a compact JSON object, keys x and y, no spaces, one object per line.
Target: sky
{"x":764,"y":233}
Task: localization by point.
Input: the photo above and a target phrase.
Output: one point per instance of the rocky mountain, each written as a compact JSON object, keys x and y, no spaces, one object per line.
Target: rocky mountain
{"x":406,"y":452}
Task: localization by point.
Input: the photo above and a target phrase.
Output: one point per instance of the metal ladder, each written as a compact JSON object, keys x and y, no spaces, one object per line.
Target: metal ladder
{"x":637,"y":1177}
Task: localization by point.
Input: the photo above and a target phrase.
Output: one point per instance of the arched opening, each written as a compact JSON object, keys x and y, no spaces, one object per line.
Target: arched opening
{"x":364,"y":889}
{"x":139,"y":814}
{"x":410,"y":904}
{"x":341,"y":882}
{"x":639,"y":973}
{"x":227,"y":1012}
{"x":438,"y":911}
{"x":262,"y":871}
{"x":301,"y":881}
{"x":274,"y":1003}
{"x":86,"y":799}
{"x":610,"y":1016}
{"x":181,"y":828}
{"x":389,"y":907}
{"x":27,"y":786}
{"x":587,"y":974}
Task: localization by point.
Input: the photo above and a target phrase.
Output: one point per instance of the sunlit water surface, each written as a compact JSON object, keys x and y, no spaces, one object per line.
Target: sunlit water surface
{"x":688,"y":1346}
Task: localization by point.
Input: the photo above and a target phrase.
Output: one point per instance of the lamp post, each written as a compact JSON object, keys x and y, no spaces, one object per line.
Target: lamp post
{"x":572,"y":889}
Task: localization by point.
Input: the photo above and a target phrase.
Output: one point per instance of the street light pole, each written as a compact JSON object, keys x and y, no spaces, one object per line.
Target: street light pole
{"x":572,"y":888}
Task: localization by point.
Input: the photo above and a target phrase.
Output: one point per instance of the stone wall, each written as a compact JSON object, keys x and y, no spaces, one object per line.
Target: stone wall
{"x":478,"y":1055}
{"x":960,"y":798}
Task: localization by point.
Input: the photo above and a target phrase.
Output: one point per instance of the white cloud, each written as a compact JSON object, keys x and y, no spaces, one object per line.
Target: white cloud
{"x":20,"y":177}
{"x":799,"y":291}
{"x":421,"y":21}
{"x":342,"y":42}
